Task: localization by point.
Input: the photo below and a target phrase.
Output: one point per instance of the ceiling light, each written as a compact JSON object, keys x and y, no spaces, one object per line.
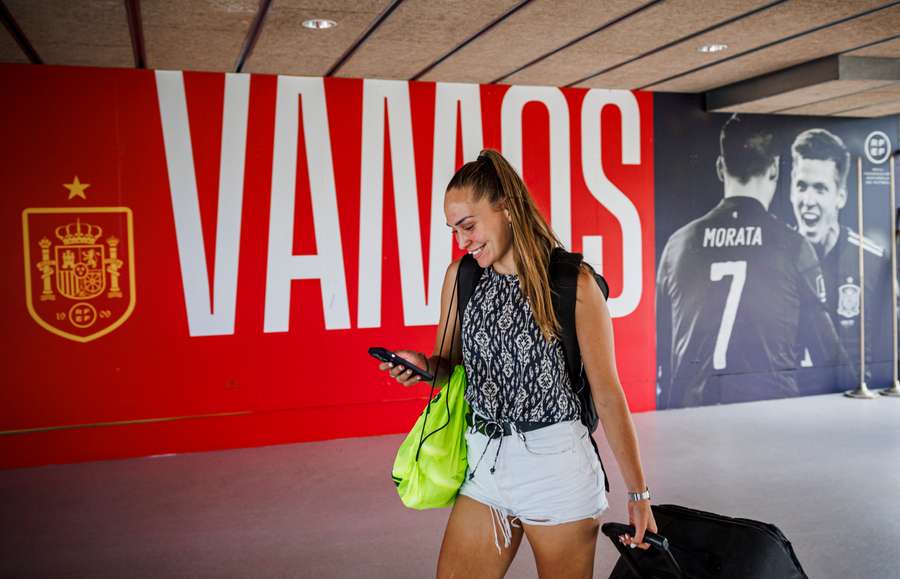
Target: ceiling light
{"x":713,"y":48}
{"x":319,"y":23}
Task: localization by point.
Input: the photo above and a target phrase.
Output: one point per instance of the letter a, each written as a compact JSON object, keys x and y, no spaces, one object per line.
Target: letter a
{"x":283,"y":266}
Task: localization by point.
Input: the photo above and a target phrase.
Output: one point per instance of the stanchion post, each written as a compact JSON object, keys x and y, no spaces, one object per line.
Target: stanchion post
{"x":894,"y":390}
{"x":862,"y":391}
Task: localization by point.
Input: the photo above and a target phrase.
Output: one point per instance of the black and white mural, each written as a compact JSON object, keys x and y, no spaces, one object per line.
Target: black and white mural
{"x":758,"y":288}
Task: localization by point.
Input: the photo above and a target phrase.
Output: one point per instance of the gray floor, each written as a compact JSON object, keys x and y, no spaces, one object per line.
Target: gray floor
{"x":824,"y":469}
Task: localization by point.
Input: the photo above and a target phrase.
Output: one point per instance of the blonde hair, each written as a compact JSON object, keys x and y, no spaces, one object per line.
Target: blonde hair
{"x":493,"y":177}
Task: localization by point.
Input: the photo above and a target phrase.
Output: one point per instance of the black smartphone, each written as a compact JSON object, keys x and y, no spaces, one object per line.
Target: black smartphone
{"x":386,"y":355}
{"x":656,"y":562}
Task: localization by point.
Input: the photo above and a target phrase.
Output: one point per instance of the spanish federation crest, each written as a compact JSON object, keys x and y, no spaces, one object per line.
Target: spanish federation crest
{"x":79,"y":269}
{"x":848,"y":299}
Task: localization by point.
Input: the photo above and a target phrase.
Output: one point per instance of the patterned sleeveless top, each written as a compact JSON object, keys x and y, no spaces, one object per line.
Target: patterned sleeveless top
{"x":513,"y":373}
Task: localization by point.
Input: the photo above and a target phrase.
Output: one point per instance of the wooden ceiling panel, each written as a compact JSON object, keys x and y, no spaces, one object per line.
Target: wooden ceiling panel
{"x":749,"y":33}
{"x":810,"y":94}
{"x":528,"y":34}
{"x":653,"y":27}
{"x":881,"y":110}
{"x":831,"y":40}
{"x":195,"y":35}
{"x":76,"y":33}
{"x":887,"y":49}
{"x":286,"y":47}
{"x":9,"y":50}
{"x":777,"y":61}
{"x":830,"y":106}
{"x":418,"y":33}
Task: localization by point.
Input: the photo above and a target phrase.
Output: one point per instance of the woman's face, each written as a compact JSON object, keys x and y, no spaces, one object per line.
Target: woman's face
{"x":481,"y":229}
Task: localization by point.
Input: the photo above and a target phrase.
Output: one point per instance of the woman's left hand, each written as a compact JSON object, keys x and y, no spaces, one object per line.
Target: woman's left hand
{"x":641,"y":518}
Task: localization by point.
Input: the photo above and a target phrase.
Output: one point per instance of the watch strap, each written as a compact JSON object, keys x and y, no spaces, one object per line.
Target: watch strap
{"x":641,"y":496}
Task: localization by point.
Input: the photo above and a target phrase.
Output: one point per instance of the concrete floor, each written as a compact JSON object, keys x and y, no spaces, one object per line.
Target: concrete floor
{"x":825,"y":469}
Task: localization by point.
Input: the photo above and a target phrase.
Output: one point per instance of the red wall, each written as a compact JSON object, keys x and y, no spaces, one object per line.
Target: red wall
{"x":310,"y":382}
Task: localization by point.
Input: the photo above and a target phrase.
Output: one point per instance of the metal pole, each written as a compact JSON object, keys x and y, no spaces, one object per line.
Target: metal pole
{"x":863,"y":390}
{"x":894,"y":390}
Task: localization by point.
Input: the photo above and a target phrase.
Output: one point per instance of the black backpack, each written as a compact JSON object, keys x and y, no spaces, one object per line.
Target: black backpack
{"x":564,"y":269}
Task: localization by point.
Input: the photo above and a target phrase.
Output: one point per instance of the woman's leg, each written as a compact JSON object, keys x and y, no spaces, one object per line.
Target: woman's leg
{"x":564,"y":551}
{"x":468,"y":550}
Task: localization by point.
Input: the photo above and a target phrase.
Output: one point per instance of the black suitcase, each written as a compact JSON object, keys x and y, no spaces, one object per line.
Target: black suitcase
{"x":710,"y":546}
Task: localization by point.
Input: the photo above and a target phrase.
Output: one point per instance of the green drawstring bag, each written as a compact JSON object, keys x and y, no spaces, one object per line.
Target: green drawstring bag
{"x":431,"y":463}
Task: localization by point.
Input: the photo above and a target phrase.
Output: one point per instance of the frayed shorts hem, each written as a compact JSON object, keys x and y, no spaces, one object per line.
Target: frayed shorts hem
{"x":545,"y":521}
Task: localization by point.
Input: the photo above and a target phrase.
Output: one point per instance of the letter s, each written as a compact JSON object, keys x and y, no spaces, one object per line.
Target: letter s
{"x":610,"y":196}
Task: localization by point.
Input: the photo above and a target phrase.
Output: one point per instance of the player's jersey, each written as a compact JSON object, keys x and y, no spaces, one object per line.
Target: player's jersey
{"x":736,"y":285}
{"x":840,"y":266}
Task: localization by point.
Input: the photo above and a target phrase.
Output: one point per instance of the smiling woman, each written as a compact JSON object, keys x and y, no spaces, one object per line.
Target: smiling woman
{"x":541,"y":477}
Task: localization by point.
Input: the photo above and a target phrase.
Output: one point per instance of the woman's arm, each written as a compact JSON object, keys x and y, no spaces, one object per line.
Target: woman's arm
{"x":595,"y":339}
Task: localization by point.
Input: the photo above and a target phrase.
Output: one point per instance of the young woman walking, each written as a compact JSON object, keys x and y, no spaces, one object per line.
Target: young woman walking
{"x":532,"y":468}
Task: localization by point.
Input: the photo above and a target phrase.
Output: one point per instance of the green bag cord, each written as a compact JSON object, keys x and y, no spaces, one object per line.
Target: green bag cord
{"x":430,"y":468}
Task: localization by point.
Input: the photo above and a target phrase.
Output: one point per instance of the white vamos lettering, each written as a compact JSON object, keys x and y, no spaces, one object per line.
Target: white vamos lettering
{"x":210,"y":294}
{"x":451,"y":101}
{"x":205,"y":316}
{"x":609,"y":195}
{"x":283,"y":266}
{"x":732,"y":236}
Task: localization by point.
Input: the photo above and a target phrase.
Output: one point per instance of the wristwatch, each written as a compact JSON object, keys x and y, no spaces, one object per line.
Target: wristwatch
{"x":641,"y":496}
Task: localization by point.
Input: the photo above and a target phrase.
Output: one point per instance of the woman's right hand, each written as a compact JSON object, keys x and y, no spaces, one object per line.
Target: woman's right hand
{"x":402,"y":375}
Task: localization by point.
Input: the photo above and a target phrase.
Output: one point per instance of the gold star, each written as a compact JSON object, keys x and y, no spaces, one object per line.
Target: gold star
{"x":76,"y":188}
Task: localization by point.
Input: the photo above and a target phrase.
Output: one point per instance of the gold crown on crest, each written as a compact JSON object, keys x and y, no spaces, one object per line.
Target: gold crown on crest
{"x":78,"y":233}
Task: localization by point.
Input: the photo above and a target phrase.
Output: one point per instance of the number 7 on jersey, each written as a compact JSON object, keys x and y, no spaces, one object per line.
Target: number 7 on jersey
{"x":717,"y":272}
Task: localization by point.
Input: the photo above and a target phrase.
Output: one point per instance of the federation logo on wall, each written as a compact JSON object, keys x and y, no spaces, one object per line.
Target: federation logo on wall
{"x":877,"y":147}
{"x":79,"y":269}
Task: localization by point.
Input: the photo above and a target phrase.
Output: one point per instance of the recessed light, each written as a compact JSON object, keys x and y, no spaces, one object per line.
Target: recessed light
{"x":319,"y":23}
{"x":713,"y":48}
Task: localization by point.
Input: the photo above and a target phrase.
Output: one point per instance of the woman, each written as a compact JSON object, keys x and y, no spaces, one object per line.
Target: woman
{"x":544,"y":479}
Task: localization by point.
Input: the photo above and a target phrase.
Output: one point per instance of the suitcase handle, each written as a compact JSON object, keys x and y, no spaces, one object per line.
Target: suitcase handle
{"x":663,"y":562}
{"x":617,"y":529}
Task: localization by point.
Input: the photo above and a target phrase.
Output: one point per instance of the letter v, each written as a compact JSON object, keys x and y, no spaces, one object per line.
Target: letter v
{"x":205,"y":318}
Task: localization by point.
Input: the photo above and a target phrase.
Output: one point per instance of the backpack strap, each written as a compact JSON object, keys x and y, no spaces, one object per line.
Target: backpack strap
{"x":564,"y":270}
{"x":468,"y":275}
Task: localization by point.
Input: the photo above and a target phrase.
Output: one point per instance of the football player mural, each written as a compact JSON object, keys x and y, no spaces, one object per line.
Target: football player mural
{"x":758,"y":292}
{"x":820,"y":163}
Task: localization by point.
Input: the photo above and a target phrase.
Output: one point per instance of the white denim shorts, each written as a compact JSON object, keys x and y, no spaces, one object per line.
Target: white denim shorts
{"x":547,"y":476}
